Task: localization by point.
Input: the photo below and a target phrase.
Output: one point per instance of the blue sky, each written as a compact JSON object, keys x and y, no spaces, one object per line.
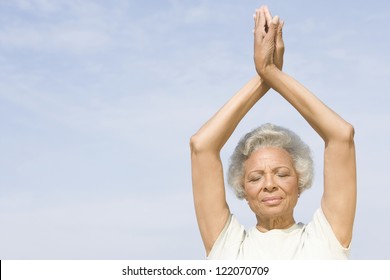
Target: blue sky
{"x":98,"y":100}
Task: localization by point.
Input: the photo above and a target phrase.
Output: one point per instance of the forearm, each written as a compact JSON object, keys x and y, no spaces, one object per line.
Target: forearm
{"x":214,"y":134}
{"x":328,"y":124}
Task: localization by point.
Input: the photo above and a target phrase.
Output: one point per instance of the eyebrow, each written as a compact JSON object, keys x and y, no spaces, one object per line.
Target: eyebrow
{"x":273,"y":169}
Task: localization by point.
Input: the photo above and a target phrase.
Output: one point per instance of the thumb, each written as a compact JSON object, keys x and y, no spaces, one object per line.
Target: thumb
{"x":279,"y":47}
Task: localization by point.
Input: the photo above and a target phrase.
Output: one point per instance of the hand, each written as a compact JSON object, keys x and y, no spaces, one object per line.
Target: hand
{"x":279,"y":46}
{"x":268,"y":41}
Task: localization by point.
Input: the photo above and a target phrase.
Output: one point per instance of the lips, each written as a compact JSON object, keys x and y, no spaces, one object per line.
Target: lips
{"x":272,"y":200}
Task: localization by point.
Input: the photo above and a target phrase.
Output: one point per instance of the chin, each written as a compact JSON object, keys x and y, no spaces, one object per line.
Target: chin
{"x":274,"y":211}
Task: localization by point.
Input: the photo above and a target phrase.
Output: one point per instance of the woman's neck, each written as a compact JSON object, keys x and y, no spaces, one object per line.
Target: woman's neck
{"x":267,"y":224}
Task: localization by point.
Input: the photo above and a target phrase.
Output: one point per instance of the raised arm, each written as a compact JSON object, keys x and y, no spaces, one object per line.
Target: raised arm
{"x":339,"y":196}
{"x":211,"y":207}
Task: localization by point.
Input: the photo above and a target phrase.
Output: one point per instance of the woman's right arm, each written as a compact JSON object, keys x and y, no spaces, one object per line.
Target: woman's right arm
{"x":208,"y":185}
{"x":211,"y":207}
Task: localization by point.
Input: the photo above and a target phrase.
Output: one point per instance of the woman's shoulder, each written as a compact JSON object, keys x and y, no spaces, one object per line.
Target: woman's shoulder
{"x":229,"y":240}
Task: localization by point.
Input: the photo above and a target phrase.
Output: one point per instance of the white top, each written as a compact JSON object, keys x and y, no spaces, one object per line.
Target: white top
{"x":315,"y":240}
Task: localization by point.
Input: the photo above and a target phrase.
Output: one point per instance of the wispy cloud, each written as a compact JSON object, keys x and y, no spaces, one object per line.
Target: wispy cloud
{"x":99,"y":99}
{"x":59,"y":229}
{"x":69,"y":32}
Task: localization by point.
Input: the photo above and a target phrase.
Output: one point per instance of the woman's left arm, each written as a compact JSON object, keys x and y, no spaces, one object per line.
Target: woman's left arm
{"x":339,"y":197}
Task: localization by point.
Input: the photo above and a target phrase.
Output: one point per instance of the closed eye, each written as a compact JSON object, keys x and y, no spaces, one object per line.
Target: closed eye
{"x":255,"y":179}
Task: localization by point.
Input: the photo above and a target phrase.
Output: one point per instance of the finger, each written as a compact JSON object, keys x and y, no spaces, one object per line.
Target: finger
{"x":279,"y":47}
{"x":258,"y":31}
{"x":268,"y":17}
{"x":255,"y":18}
{"x":273,"y":27}
{"x":255,"y":22}
{"x":262,"y":19}
{"x":258,"y":18}
{"x":279,"y":35}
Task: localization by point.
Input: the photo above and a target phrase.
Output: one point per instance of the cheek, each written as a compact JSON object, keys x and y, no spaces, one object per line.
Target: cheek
{"x":289,"y":186}
{"x":252,"y":190}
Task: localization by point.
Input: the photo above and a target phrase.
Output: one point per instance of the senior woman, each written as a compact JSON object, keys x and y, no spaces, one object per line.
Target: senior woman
{"x":271,"y":167}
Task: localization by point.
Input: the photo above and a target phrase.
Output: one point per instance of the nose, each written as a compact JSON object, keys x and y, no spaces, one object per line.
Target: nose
{"x":270,"y":184}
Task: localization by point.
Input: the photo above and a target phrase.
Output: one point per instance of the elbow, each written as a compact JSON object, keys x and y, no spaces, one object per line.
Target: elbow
{"x":342,"y":133}
{"x":201,"y":145}
{"x":345,"y":133}
{"x":349,"y":133}
{"x":195,"y":144}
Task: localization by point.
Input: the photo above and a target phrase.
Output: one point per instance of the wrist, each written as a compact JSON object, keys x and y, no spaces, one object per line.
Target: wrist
{"x":264,"y":87}
{"x":268,"y":72}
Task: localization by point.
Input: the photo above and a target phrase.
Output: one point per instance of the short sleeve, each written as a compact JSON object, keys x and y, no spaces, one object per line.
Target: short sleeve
{"x":228,"y":243}
{"x":320,"y":234}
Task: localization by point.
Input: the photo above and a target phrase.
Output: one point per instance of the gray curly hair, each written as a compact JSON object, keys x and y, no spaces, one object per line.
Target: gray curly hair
{"x":270,"y":135}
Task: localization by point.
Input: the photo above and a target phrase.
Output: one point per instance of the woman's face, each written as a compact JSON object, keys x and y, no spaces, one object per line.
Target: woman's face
{"x":271,"y":183}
